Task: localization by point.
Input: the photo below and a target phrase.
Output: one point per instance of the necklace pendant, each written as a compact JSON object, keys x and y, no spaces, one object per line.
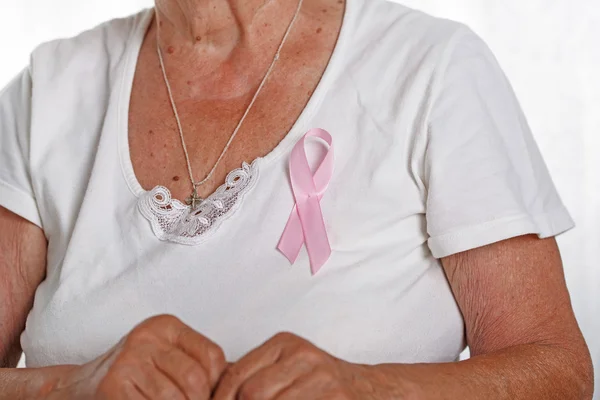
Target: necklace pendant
{"x":194,"y":200}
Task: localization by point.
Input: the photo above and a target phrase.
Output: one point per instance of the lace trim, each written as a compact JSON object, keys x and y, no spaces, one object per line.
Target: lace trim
{"x":174,"y":221}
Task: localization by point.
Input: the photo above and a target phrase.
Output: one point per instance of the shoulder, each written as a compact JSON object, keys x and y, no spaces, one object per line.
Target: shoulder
{"x":398,"y":39}
{"x":101,"y":47}
{"x":401,"y":54}
{"x":388,"y":23}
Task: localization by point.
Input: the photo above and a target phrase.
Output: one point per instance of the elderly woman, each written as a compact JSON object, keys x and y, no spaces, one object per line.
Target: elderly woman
{"x":278,"y":199}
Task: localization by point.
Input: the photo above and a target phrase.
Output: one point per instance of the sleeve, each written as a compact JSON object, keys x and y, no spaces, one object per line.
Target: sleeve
{"x":485,"y":177}
{"x":16,"y":188}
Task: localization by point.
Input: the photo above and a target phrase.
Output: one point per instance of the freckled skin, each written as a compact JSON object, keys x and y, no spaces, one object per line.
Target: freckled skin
{"x":212,"y":91}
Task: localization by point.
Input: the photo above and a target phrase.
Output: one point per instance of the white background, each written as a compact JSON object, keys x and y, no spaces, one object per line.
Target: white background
{"x":548,"y":49}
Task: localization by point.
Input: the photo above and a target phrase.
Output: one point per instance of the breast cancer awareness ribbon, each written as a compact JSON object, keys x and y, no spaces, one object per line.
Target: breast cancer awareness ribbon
{"x":305,"y":224}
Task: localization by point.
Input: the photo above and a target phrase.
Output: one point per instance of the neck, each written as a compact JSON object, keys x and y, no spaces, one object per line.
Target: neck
{"x":214,"y":26}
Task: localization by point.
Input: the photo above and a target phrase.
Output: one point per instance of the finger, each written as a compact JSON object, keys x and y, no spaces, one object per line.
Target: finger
{"x":129,"y":392}
{"x":174,"y":331}
{"x":263,"y":356}
{"x":267,"y":383}
{"x":187,"y":373}
{"x":202,"y":349}
{"x":154,"y":384}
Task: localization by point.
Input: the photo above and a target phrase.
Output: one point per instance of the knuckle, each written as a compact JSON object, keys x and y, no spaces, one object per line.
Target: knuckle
{"x":170,"y":393}
{"x":309,"y":355}
{"x":216,"y":356}
{"x":162,"y":321}
{"x":194,"y":376}
{"x":141,"y":332}
{"x":285,"y":337}
{"x":186,"y":334}
{"x":135,"y":338}
{"x":325,"y":375}
{"x":151,"y":328}
{"x":170,"y":353}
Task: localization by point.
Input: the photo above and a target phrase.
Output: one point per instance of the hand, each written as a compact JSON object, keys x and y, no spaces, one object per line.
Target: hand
{"x":288,"y":367}
{"x":161,"y":358}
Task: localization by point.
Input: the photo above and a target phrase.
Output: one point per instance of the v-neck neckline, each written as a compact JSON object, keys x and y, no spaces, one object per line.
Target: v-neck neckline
{"x":299,"y":127}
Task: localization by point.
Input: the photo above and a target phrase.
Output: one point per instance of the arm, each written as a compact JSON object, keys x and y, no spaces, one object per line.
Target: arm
{"x":524,"y":340}
{"x":22,"y":268}
{"x":523,"y":336}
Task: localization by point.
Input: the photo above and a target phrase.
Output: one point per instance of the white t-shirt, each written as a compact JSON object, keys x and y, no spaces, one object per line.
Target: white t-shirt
{"x":432,"y":157}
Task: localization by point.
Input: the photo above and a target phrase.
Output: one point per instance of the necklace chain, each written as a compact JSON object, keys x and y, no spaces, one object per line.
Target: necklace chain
{"x":194,"y":199}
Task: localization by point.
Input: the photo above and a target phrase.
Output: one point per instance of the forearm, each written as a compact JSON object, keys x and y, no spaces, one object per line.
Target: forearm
{"x":522,"y":372}
{"x":29,"y":383}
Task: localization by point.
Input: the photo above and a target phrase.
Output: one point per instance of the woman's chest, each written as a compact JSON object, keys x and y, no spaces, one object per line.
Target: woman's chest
{"x":238,"y":289}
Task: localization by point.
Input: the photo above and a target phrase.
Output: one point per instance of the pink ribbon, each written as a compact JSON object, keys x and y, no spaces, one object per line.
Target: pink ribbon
{"x":305,"y":224}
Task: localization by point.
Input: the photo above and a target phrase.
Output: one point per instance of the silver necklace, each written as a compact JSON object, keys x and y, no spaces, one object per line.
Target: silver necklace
{"x":194,"y":200}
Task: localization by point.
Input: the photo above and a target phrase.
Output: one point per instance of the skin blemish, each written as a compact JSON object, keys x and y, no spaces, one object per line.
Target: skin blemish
{"x":319,"y":30}
{"x":151,"y":154}
{"x":165,"y":146}
{"x":198,"y":38}
{"x":324,"y":10}
{"x":151,"y":132}
{"x":176,"y":178}
{"x":171,"y":50}
{"x":160,"y":23}
{"x":189,"y":83}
